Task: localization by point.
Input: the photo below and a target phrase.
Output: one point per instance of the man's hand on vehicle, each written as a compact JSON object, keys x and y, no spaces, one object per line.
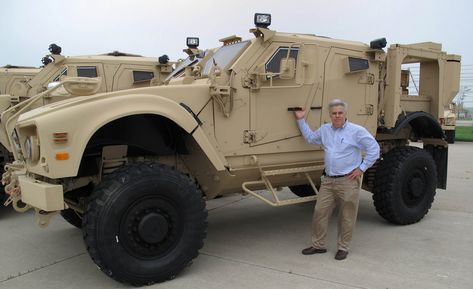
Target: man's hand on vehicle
{"x":299,"y":114}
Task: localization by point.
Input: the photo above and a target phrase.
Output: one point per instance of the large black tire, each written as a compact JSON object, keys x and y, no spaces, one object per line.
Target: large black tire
{"x":144,"y":223}
{"x":72,"y":217}
{"x":303,"y":190}
{"x":405,"y":183}
{"x":450,"y":136}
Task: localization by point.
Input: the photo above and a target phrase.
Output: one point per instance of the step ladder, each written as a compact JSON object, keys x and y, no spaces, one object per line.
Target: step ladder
{"x":276,"y":202}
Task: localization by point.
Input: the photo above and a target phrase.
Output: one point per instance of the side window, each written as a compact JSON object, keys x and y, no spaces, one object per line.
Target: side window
{"x":58,"y":77}
{"x":274,"y":63}
{"x":142,"y":76}
{"x":87,"y":71}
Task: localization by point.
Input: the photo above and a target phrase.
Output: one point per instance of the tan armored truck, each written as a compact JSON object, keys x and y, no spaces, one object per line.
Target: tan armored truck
{"x":11,"y":74}
{"x":113,"y":71}
{"x":142,"y":163}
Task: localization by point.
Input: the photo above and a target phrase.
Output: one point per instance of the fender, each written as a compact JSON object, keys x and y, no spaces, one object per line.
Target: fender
{"x":423,"y":124}
{"x":81,"y":119}
{"x":426,"y":127}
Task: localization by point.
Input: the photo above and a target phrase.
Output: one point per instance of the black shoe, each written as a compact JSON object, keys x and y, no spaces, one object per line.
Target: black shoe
{"x":312,"y":250}
{"x":341,"y":254}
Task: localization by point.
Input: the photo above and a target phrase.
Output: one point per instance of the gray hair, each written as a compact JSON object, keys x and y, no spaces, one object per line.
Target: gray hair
{"x":338,"y":102}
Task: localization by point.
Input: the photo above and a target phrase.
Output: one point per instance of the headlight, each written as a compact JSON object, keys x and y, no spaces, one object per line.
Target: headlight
{"x":31,"y":148}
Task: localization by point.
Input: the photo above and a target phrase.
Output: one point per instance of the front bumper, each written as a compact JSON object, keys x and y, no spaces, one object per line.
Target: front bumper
{"x":41,"y":195}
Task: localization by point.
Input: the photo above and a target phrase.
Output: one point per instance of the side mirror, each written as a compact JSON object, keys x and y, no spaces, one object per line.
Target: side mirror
{"x":287,"y":68}
{"x":82,"y":86}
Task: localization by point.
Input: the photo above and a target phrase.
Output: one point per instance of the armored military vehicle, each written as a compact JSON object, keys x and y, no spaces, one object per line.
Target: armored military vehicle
{"x":115,"y":70}
{"x":139,"y":167}
{"x":11,"y":74}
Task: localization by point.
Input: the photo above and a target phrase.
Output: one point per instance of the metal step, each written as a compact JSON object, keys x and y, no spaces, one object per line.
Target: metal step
{"x":267,"y":183}
{"x":292,"y":170}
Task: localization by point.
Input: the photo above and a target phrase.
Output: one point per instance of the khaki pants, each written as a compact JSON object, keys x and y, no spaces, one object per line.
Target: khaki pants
{"x":343,"y":193}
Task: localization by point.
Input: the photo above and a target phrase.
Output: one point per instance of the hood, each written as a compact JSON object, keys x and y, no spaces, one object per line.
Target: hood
{"x":194,"y":95}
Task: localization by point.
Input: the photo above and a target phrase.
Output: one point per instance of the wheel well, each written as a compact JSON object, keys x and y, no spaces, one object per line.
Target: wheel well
{"x":422,"y":124}
{"x":145,"y":135}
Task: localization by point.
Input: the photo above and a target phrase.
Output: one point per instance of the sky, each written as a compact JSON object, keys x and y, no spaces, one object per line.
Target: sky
{"x":152,"y":28}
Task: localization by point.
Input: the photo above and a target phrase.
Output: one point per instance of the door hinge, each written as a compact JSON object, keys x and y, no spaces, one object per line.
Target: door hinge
{"x":249,"y":136}
{"x":367,"y":78}
{"x":367,"y":109}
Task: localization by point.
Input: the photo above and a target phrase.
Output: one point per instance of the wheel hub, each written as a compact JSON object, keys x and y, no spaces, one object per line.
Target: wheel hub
{"x":153,"y":227}
{"x":150,"y":227}
{"x":416,"y":187}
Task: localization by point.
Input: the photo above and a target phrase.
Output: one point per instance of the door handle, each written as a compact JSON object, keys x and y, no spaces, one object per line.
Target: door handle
{"x":294,"y":108}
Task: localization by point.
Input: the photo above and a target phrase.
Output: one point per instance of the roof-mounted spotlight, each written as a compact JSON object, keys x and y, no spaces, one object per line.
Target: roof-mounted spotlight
{"x":46,"y":60}
{"x":192,"y":42}
{"x":55,"y":49}
{"x":163,"y":59}
{"x":378,"y":43}
{"x":262,"y":20}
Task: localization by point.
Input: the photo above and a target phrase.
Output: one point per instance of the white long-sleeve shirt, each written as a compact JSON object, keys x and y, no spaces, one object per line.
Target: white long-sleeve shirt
{"x":343,"y":146}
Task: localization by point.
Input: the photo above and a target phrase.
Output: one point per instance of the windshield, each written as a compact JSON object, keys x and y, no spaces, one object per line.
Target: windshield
{"x":187,"y":62}
{"x":225,"y":55}
{"x":181,"y":67}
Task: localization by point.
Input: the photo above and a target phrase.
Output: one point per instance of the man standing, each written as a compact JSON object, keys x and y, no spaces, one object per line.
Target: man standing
{"x":343,"y":142}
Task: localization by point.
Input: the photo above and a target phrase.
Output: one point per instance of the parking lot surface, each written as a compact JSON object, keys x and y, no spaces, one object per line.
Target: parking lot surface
{"x":252,"y":245}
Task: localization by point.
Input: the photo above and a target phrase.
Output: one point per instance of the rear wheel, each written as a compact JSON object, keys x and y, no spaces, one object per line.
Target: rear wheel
{"x":303,"y":190}
{"x":405,"y":184}
{"x":145,"y":223}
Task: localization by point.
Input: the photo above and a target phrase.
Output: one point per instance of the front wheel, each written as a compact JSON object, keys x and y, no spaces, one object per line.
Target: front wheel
{"x":404,"y":186}
{"x":72,"y":217}
{"x":145,"y":223}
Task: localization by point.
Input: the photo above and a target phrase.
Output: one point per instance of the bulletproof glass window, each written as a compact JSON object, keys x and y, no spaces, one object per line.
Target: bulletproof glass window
{"x":225,"y":55}
{"x":142,"y":76}
{"x":180,"y":68}
{"x":87,"y":71}
{"x":63,"y":72}
{"x":357,"y":64}
{"x":274,"y":63}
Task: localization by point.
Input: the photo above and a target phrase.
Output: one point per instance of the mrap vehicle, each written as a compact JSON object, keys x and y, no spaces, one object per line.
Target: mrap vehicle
{"x":11,"y":74}
{"x":140,"y":166}
{"x":28,"y":88}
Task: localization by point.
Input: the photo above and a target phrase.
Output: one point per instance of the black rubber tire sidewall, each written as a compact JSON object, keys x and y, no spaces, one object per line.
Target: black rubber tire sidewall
{"x":393,"y":174}
{"x":127,"y":187}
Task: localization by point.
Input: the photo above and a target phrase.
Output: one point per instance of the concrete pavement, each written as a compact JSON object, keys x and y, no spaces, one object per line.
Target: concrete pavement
{"x":252,"y":245}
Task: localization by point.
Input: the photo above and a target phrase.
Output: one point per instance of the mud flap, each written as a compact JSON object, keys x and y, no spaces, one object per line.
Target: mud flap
{"x":440,"y":156}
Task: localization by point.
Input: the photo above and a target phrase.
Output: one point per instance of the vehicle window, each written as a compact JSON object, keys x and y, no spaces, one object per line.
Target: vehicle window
{"x":225,"y":55}
{"x":87,"y":71}
{"x":141,"y":76}
{"x":274,"y":63}
{"x":181,"y":66}
{"x":63,"y":72}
